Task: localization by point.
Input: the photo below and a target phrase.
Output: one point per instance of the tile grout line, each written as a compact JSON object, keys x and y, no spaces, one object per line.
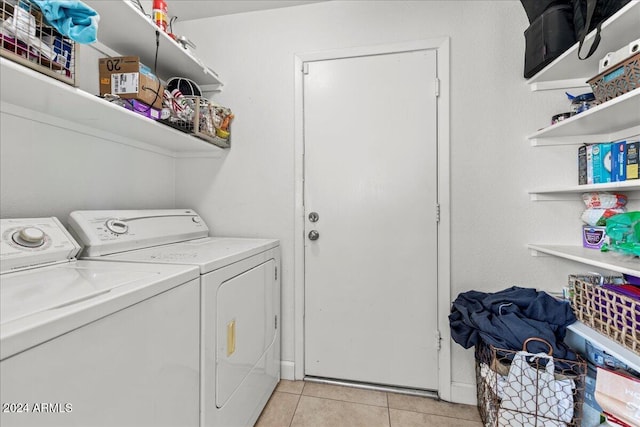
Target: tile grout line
{"x":386,"y":395}
{"x":288,"y":392}
{"x":344,"y":401}
{"x":438,"y":415}
{"x":297,"y":404}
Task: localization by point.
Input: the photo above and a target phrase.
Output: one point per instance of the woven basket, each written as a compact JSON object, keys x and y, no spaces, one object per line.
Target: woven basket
{"x":612,"y":314}
{"x":617,"y":80}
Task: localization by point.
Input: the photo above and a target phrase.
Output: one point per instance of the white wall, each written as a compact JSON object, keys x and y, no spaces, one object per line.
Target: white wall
{"x":48,"y":170}
{"x":250,"y":192}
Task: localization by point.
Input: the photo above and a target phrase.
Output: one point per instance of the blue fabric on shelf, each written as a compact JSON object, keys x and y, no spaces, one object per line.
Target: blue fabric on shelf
{"x":72,"y":19}
{"x":506,"y":319}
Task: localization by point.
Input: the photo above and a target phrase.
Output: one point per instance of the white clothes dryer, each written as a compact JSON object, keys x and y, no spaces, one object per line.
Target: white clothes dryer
{"x":86,"y":343}
{"x":240,"y":299}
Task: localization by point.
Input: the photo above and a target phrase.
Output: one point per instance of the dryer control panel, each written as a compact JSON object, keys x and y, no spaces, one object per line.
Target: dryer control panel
{"x":33,"y":242}
{"x":109,"y":232}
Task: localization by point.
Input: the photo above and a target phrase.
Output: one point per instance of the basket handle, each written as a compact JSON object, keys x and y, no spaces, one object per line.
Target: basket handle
{"x":524,"y":346}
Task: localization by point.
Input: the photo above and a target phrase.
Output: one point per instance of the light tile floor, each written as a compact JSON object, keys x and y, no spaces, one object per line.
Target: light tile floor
{"x":307,"y":404}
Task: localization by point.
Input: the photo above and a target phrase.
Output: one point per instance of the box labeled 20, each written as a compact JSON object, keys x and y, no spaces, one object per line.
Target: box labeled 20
{"x":128,"y":78}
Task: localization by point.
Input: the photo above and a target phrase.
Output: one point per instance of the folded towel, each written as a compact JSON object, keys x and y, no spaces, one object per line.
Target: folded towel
{"x":72,"y":19}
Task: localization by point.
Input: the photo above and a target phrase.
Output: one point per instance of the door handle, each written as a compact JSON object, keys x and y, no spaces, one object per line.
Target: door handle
{"x":314,"y":235}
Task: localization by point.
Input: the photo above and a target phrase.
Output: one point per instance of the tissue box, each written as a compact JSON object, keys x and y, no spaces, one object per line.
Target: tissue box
{"x":601,"y":163}
{"x":593,"y":237}
{"x":590,"y":389}
{"x":142,"y":109}
{"x":619,"y":395}
{"x":126,"y":77}
{"x":619,"y":161}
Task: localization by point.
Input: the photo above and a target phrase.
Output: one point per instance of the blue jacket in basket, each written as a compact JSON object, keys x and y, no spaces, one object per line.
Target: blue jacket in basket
{"x":507,"y":318}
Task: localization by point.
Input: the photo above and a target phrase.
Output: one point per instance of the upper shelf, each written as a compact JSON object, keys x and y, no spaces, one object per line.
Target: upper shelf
{"x":600,"y":123}
{"x":569,"y":71}
{"x":27,"y":93}
{"x":125,"y":29}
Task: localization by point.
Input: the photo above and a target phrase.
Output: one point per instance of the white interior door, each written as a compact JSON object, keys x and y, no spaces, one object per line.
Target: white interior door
{"x":370,"y":170}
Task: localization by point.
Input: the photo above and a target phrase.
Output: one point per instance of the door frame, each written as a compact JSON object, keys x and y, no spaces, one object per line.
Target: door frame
{"x":441,"y":46}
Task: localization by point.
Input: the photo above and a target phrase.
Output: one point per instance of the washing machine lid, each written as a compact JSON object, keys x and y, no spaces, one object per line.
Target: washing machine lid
{"x":39,"y":304}
{"x":208,"y":254}
{"x":34,"y":242}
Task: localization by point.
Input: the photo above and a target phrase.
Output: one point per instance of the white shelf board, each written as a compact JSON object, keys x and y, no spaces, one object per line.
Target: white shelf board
{"x":622,"y":27}
{"x":600,"y":122}
{"x":34,"y":93}
{"x":571,"y":192}
{"x":125,"y":29}
{"x":623,"y":354}
{"x":607,"y":260}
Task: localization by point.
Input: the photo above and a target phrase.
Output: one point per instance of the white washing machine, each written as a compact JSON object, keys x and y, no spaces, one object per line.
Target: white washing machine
{"x":87,"y":343}
{"x":240,"y":299}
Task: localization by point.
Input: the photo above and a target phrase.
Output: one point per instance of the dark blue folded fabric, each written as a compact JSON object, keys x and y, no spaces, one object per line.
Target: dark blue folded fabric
{"x":506,"y":319}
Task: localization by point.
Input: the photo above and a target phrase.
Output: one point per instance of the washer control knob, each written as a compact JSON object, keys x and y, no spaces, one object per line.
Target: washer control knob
{"x":196,"y":219}
{"x":30,"y":237}
{"x":117,"y":226}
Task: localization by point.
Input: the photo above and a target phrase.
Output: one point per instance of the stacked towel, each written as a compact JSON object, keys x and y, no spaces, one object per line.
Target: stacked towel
{"x":72,"y":19}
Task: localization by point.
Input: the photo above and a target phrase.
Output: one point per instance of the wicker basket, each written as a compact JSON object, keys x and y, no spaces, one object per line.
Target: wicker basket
{"x":492,"y":374}
{"x":612,"y":314}
{"x":28,"y":39}
{"x":617,"y":80}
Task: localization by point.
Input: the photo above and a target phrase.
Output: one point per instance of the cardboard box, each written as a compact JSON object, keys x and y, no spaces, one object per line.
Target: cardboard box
{"x":126,"y":77}
{"x":142,"y":109}
{"x":633,"y":159}
{"x":619,"y":395}
{"x":601,"y":163}
{"x":618,"y":161}
{"x":582,"y":164}
{"x":589,"y":164}
{"x":593,"y":237}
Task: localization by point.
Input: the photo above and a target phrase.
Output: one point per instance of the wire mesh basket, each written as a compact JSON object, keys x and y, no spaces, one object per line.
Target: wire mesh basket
{"x":610,"y":313}
{"x":199,"y":118}
{"x":519,"y":389}
{"x":29,"y":40}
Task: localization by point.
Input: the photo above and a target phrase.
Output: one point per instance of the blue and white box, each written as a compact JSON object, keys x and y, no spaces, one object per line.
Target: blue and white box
{"x":619,"y":161}
{"x":601,"y":163}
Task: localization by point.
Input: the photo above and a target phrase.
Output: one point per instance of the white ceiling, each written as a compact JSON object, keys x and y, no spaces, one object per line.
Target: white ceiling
{"x":186,"y":10}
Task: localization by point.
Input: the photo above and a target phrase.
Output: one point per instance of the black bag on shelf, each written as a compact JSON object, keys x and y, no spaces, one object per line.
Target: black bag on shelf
{"x":534,"y":8}
{"x":548,"y":37}
{"x":589,"y":15}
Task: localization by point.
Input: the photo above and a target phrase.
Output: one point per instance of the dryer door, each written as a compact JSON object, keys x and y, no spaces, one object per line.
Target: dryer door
{"x":245,"y":326}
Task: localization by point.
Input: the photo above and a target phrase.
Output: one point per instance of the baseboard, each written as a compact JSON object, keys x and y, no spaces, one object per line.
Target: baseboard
{"x":464,"y":393}
{"x":287,"y":370}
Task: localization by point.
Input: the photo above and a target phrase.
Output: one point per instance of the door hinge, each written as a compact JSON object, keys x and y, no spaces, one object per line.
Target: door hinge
{"x":437,"y":87}
{"x":276,"y":322}
{"x":438,"y":340}
{"x":276,"y":273}
{"x":438,"y":213}
{"x":305,"y":68}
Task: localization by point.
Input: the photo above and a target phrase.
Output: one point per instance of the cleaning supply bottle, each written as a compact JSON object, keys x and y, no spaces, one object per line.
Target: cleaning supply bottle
{"x":160,"y":15}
